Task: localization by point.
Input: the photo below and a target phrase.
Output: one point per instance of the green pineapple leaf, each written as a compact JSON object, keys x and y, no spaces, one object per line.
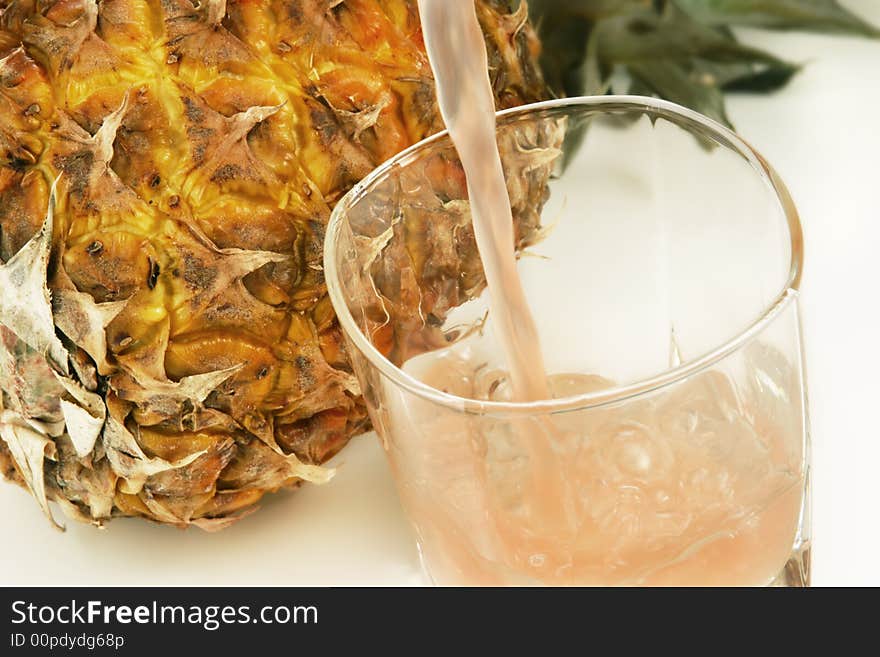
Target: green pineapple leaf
{"x":670,"y":80}
{"x":745,"y":76}
{"x":670,"y":35}
{"x":814,"y":15}
{"x":681,"y":50}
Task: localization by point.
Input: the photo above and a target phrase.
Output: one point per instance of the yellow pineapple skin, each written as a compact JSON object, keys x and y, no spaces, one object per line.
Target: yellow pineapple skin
{"x":198,"y":149}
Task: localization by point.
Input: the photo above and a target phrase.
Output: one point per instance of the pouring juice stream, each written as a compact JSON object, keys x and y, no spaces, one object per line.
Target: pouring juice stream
{"x":457,"y":52}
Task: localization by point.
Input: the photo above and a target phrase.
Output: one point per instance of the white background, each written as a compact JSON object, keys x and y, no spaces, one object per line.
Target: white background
{"x":822,"y":133}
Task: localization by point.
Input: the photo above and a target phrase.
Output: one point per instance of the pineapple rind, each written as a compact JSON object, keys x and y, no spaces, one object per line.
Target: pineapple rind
{"x":167,"y":347}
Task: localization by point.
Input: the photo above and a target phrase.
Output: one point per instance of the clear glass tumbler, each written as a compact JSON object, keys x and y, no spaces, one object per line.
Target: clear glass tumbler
{"x":661,"y":257}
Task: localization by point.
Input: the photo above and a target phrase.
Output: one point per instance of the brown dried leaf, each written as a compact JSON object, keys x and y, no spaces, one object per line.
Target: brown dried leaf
{"x":217,"y":524}
{"x":83,"y":321}
{"x":82,"y":427}
{"x":29,"y":449}
{"x":159,"y":400}
{"x":128,"y":459}
{"x":25,"y":306}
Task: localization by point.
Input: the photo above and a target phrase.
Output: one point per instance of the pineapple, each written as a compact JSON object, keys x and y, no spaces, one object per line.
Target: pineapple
{"x":167,"y":346}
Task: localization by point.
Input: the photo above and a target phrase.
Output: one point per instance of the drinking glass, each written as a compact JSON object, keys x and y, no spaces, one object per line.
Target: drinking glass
{"x":661,"y":257}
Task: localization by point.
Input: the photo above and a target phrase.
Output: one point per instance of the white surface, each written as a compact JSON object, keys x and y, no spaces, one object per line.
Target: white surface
{"x":348,"y":532}
{"x":822,"y":133}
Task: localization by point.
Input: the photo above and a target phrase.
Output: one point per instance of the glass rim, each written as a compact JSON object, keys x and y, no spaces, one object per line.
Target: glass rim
{"x":723,"y":135}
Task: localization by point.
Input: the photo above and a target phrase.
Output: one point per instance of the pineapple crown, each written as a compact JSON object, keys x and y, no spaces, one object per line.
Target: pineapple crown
{"x":683,"y":50}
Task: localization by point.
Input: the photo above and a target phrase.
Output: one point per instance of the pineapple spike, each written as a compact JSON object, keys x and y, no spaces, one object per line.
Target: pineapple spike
{"x":87,"y":400}
{"x":237,"y":128}
{"x":537,"y":157}
{"x":79,"y":31}
{"x":520,"y":18}
{"x":243,"y":122}
{"x":238,"y":263}
{"x":83,"y":321}
{"x":130,"y":461}
{"x":29,"y":449}
{"x":216,"y":11}
{"x":198,"y":386}
{"x":218,"y":524}
{"x":364,"y":119}
{"x":82,"y":427}
{"x":106,"y":134}
{"x":85,"y":418}
{"x":13,"y":54}
{"x":90,"y":15}
{"x":25,"y":305}
{"x":194,"y":388}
